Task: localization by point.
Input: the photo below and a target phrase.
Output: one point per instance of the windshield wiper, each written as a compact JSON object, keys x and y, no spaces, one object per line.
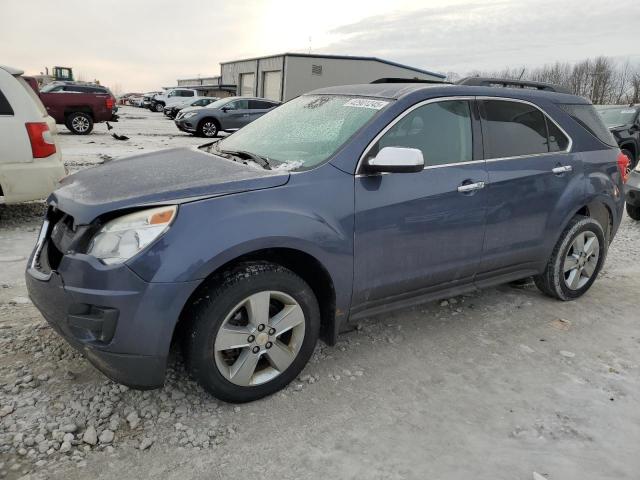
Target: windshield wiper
{"x":262,"y":161}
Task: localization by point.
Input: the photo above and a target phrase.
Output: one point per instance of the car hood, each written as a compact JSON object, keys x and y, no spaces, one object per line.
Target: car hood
{"x":176,"y":175}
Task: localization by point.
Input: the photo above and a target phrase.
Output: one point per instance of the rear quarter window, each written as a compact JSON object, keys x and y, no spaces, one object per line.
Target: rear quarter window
{"x":589,"y":119}
{"x":5,"y":107}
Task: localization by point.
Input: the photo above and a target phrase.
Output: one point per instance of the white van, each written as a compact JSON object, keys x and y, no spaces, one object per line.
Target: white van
{"x":30,"y":161}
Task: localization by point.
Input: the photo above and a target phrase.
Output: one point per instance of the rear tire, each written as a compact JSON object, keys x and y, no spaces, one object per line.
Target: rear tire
{"x":576,"y":260}
{"x":229,"y":351}
{"x":79,"y":123}
{"x":633,"y":212}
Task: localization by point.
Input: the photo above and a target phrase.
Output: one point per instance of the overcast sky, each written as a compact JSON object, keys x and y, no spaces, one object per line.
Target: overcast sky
{"x":140,"y":45}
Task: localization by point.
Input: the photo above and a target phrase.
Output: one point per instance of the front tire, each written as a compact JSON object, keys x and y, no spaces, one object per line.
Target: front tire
{"x":576,"y":260}
{"x":252,"y":332}
{"x":633,"y":211}
{"x":208,"y":128}
{"x":159,"y":107}
{"x":79,"y":123}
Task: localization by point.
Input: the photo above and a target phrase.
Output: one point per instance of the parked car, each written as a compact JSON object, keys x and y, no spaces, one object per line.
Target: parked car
{"x":127,"y":98}
{"x":30,"y":162}
{"x":624,"y":123}
{"x":172,"y":96}
{"x":171,"y":111}
{"x":342,"y":203}
{"x":225,"y":115}
{"x":135,"y":100}
{"x":79,"y":106}
{"x":147,"y":99}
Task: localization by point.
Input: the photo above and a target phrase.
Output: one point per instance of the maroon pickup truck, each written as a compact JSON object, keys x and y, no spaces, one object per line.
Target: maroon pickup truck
{"x":78,"y":106}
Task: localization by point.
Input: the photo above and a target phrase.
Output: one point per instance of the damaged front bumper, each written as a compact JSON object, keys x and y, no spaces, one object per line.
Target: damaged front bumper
{"x":122,"y":324}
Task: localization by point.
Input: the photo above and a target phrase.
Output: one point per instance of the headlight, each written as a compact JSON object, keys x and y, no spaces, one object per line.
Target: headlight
{"x":189,"y":115}
{"x":121,"y":238}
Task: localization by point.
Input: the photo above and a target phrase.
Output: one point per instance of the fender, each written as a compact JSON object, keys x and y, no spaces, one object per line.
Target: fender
{"x":233,"y":226}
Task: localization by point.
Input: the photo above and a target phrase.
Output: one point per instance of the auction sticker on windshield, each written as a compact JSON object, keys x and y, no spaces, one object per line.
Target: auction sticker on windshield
{"x":366,"y":103}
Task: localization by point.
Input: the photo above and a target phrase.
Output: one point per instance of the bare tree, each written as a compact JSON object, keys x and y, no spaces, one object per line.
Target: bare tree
{"x":601,"y":79}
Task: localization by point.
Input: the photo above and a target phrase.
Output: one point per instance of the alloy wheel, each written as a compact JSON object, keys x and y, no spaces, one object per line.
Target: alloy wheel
{"x":260,"y":338}
{"x":581,"y":260}
{"x":80,"y":124}
{"x":209,"y":129}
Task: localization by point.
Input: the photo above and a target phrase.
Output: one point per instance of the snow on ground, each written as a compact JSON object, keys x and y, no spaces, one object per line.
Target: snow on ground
{"x":147,"y":131}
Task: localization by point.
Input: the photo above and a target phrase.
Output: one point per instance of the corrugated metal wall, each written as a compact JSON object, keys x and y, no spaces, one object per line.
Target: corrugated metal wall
{"x":308,"y":73}
{"x":303,"y":74}
{"x":231,"y":72}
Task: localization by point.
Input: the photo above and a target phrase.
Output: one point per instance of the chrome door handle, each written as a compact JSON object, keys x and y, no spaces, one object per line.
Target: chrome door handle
{"x":470,"y":187}
{"x":562,"y":169}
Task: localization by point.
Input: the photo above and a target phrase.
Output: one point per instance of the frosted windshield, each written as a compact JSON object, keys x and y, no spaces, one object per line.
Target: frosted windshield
{"x":306,"y":131}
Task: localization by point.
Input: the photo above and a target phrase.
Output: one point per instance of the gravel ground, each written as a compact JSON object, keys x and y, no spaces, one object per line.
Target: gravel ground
{"x":498,"y":384}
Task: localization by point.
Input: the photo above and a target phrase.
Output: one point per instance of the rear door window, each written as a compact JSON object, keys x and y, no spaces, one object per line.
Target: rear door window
{"x":441,"y":130}
{"x":5,"y":107}
{"x":260,"y":105}
{"x":558,"y":141}
{"x":512,"y":129}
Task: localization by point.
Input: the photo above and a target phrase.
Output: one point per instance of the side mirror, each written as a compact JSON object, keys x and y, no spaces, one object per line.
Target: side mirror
{"x":225,"y":109}
{"x":397,"y":160}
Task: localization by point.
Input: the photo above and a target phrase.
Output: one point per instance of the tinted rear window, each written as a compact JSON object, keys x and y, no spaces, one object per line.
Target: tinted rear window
{"x":512,"y":129}
{"x":558,"y":141}
{"x":5,"y":108}
{"x":586,"y":116}
{"x":260,"y":105}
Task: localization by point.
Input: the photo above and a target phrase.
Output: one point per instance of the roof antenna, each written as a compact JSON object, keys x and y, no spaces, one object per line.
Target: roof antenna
{"x":521,"y":73}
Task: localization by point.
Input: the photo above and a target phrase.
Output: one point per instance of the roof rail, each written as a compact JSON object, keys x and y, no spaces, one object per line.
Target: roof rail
{"x":510,"y":83}
{"x":408,"y":80}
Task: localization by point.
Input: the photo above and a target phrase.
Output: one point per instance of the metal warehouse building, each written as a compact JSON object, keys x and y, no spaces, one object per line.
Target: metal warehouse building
{"x":285,"y":76}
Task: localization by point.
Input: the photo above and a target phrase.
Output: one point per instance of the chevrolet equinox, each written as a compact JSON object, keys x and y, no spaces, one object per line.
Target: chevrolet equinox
{"x":342,"y":203}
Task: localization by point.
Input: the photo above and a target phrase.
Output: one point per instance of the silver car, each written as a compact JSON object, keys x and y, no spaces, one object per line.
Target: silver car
{"x":227,"y":115}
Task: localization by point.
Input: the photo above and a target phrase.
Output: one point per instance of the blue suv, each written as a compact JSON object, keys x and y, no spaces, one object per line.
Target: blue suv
{"x":343,"y":203}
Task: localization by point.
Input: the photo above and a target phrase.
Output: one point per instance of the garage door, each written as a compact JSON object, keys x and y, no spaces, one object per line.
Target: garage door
{"x":247,"y":82}
{"x":271,"y":85}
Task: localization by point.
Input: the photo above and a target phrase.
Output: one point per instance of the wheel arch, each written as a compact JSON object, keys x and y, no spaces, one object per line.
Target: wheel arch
{"x":597,"y":209}
{"x":305,"y":265}
{"x":216,"y":120}
{"x":79,"y":109}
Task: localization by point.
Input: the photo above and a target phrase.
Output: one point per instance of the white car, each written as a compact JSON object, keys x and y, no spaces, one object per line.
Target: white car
{"x":172,"y":97}
{"x":30,"y":161}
